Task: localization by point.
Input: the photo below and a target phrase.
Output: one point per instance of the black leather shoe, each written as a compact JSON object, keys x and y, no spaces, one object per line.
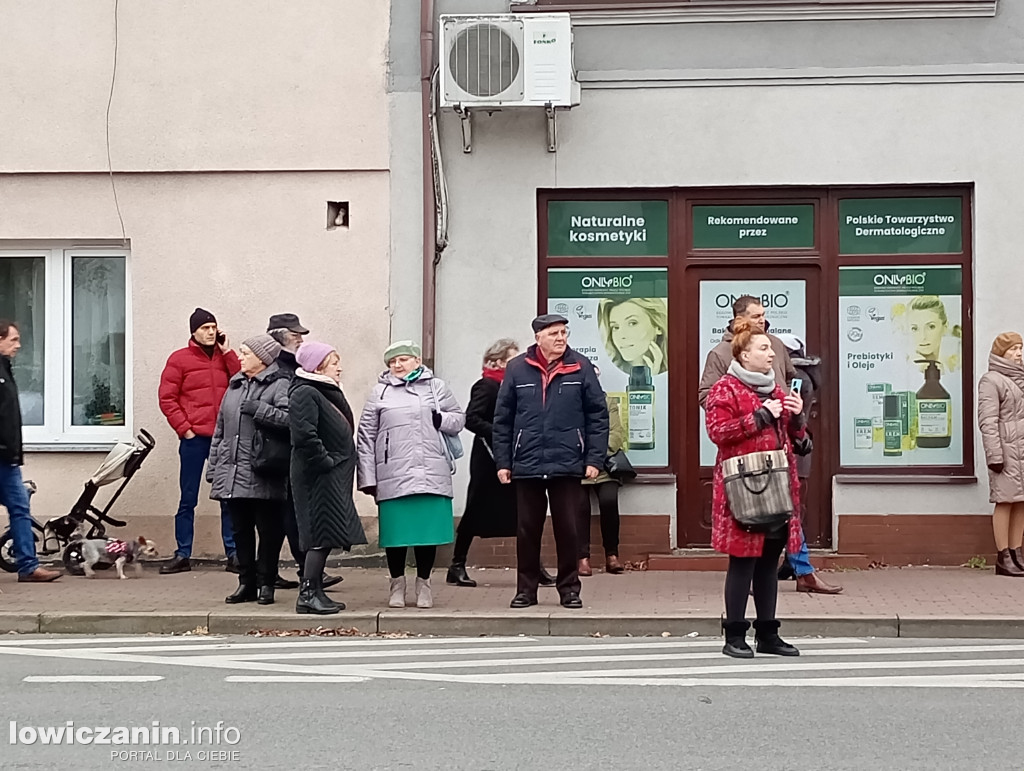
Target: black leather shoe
{"x":284,"y":583}
{"x":738,"y":649}
{"x":457,"y":575}
{"x":522,"y":600}
{"x":546,"y":579}
{"x":265,"y":596}
{"x":786,"y":572}
{"x":244,"y":593}
{"x":176,"y":565}
{"x":572,"y":600}
{"x":232,"y":565}
{"x":329,"y":581}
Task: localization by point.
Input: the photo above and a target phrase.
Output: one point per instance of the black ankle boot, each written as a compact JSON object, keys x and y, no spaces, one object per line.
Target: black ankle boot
{"x":326,"y":601}
{"x":309,"y":602}
{"x":736,"y":639}
{"x":244,"y":593}
{"x":457,"y":575}
{"x":766,"y":636}
{"x":265,"y":596}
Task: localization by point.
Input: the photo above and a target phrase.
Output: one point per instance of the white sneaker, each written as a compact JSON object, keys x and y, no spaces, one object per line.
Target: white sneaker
{"x":424,"y":595}
{"x":397,"y":599}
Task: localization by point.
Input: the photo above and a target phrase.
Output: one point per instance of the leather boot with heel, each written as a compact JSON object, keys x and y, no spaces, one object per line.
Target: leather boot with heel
{"x":457,"y":575}
{"x":736,"y":640}
{"x":1006,"y":566}
{"x":397,"y":597}
{"x":310,"y":602}
{"x":244,"y":593}
{"x":767,"y":640}
{"x":1017,"y":555}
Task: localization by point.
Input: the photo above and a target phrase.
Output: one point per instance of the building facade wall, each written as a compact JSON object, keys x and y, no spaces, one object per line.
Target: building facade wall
{"x":734,"y":105}
{"x":231,"y":127}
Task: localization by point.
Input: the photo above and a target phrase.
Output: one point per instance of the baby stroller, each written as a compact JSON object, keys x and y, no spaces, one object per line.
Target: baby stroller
{"x":84,"y":520}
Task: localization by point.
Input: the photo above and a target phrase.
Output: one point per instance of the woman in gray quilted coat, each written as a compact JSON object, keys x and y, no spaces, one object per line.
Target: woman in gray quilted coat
{"x":1001,"y":419}
{"x":255,"y":408}
{"x":405,"y":465}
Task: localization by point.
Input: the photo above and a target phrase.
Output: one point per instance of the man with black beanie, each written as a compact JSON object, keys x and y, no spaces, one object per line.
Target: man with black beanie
{"x":192,"y":386}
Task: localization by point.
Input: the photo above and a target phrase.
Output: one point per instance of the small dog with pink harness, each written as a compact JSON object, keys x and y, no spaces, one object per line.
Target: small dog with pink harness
{"x":114,"y":551}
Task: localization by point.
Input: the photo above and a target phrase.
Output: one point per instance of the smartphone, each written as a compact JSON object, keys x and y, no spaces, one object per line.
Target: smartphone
{"x":221,"y":338}
{"x":796,"y":387}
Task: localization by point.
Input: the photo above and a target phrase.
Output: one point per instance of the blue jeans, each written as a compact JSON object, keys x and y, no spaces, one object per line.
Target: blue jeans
{"x":194,"y":454}
{"x":14,"y":498}
{"x":801,"y":561}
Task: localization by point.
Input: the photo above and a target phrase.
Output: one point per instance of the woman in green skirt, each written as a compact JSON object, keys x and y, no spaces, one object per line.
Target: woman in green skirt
{"x":405,"y":465}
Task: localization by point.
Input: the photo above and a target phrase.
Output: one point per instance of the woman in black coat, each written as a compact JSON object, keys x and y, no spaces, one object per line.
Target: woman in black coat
{"x":322,"y":470}
{"x":490,"y":506}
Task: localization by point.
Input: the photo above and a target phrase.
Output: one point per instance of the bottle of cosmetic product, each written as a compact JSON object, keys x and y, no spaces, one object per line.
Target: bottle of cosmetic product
{"x":934,"y":410}
{"x":893,"y":426}
{"x":640,"y":392}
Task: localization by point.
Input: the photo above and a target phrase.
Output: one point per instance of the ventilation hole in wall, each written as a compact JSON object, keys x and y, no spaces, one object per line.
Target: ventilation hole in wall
{"x":337,"y":215}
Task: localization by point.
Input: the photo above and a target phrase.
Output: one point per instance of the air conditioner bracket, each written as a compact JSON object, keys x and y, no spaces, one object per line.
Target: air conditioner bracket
{"x":552,"y":133}
{"x":466,"y":117}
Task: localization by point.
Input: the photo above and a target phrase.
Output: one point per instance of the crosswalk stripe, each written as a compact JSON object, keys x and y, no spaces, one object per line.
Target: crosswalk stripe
{"x":294,"y":679}
{"x":320,"y":643}
{"x":92,"y":678}
{"x":62,"y":640}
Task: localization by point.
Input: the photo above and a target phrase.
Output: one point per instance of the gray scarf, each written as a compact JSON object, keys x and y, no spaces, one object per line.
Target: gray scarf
{"x":759,"y":381}
{"x":1009,"y":369}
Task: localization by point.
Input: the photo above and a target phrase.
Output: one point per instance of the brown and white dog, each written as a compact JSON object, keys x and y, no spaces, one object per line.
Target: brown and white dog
{"x":116,"y":552}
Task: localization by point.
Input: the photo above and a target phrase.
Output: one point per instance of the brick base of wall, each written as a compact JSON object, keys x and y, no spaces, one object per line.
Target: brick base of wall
{"x":917,"y":539}
{"x":639,"y":536}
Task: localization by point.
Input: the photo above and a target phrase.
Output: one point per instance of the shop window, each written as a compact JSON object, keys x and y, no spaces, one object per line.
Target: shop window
{"x":71,"y":307}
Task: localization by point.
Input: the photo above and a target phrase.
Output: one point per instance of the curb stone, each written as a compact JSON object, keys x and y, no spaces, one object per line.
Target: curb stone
{"x":994,"y":627}
{"x":564,"y":624}
{"x":20,"y":623}
{"x":129,"y":622}
{"x":464,"y":624}
{"x":843,"y":626}
{"x":243,"y":623}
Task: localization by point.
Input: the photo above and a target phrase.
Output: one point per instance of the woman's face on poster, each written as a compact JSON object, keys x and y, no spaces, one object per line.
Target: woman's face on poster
{"x":632,"y":331}
{"x":927,"y":330}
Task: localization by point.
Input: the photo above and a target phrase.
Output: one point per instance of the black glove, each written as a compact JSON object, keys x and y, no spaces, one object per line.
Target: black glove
{"x":763,"y":418}
{"x":996,"y":468}
{"x":371,"y":491}
{"x":249,"y":406}
{"x":437,"y":419}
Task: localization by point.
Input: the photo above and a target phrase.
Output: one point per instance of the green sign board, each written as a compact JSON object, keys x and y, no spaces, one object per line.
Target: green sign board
{"x":608,"y":228}
{"x":753,"y":227}
{"x":641,"y":282}
{"x":907,"y":280}
{"x":900,"y":225}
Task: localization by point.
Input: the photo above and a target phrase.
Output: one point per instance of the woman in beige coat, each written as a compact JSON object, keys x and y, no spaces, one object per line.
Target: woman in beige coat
{"x":1001,"y":419}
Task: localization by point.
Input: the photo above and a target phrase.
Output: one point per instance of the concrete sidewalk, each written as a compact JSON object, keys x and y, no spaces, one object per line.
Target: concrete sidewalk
{"x":892,"y":602}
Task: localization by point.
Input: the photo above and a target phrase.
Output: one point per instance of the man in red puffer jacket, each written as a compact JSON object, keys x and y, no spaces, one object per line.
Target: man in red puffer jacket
{"x":191,"y":388}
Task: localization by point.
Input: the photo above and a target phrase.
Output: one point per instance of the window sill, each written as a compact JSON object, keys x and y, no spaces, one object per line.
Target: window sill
{"x":702,"y":11}
{"x":905,"y":479}
{"x":653,"y":479}
{"x":71,"y":447}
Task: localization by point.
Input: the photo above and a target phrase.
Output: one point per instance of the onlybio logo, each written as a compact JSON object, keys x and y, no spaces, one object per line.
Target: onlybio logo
{"x":606,"y":282}
{"x":899,"y":279}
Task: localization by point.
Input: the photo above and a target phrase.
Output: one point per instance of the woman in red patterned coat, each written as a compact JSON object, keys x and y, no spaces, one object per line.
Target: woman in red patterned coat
{"x":748,"y":412}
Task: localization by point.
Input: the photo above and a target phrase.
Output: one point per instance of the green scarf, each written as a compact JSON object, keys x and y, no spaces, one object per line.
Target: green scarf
{"x":414,"y":375}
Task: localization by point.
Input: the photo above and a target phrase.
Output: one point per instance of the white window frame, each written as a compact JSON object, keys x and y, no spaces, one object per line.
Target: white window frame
{"x":57,"y":431}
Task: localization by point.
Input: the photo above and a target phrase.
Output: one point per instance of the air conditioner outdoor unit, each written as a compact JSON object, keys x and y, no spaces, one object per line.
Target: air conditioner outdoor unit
{"x":507,"y":60}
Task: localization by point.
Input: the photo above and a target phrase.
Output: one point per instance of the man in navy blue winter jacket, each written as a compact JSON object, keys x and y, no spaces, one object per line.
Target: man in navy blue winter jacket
{"x":550,"y":431}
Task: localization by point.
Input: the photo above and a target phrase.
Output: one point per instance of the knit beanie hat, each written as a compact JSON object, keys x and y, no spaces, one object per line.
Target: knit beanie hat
{"x":311,"y":354}
{"x":401,"y":348}
{"x":265,"y":347}
{"x":1005,"y":342}
{"x":198,"y":318}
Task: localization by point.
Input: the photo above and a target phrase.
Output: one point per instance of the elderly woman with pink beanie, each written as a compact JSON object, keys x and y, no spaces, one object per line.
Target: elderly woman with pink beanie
{"x":323,"y":469}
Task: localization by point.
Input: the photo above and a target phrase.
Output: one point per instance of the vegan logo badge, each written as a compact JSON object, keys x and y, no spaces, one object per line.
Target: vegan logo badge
{"x":581,"y":312}
{"x":874,"y":316}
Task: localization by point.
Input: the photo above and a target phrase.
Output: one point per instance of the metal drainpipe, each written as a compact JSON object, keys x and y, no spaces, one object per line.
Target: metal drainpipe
{"x":429,"y":214}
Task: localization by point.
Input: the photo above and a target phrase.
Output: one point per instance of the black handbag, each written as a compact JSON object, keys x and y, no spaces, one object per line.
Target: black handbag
{"x":271,"y":453}
{"x":618,"y":467}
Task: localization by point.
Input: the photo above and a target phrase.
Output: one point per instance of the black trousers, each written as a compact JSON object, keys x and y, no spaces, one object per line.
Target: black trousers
{"x":533,"y":496}
{"x":608,"y":507}
{"x":763,"y":573}
{"x":291,"y":532}
{"x":257,"y":565}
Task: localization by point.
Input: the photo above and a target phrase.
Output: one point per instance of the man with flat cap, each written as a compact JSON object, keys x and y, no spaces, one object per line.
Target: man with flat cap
{"x":288,"y":331}
{"x":550,"y":431}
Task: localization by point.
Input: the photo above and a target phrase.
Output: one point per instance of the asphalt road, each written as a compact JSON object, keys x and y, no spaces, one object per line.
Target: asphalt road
{"x":508,"y":703}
